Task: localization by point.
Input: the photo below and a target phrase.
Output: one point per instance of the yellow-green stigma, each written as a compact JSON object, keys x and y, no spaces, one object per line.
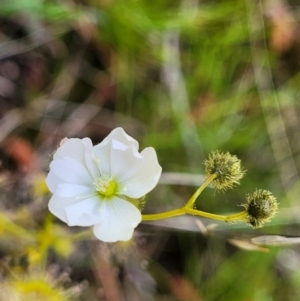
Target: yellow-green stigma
{"x":226,"y":167}
{"x":260,"y":206}
{"x":105,"y":186}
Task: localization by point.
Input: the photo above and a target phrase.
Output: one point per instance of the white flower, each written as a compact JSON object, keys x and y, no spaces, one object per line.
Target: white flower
{"x":90,"y":184}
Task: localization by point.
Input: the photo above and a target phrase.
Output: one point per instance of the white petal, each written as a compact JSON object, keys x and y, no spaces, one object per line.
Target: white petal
{"x":124,"y":162}
{"x":68,"y":170}
{"x":109,"y":150}
{"x":120,"y":135}
{"x":76,"y":212}
{"x":52,"y":181}
{"x":112,"y":157}
{"x":57,"y":204}
{"x":79,"y":149}
{"x":144,"y":179}
{"x":102,"y":154}
{"x":67,"y":190}
{"x":73,"y":148}
{"x":119,"y":220}
{"x":90,"y":159}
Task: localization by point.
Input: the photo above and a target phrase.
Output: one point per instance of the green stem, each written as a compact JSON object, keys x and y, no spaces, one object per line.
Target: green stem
{"x":192,"y":200}
{"x":241,"y":216}
{"x":205,"y":214}
{"x":163,"y":215}
{"x":181,"y":211}
{"x":187,"y":209}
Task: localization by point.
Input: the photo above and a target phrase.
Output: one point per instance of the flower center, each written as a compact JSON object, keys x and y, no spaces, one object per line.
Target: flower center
{"x":105,"y":185}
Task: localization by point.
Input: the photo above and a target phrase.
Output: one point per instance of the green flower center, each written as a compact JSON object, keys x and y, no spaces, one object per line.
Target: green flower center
{"x":105,"y":185}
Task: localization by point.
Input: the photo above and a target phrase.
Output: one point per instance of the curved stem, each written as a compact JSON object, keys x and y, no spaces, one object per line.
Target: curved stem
{"x":241,"y":216}
{"x":192,"y":200}
{"x":181,"y":211}
{"x":163,"y":215}
{"x":205,"y":214}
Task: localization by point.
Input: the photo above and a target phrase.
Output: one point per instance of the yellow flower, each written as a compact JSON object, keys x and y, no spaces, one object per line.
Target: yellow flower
{"x":36,"y":286}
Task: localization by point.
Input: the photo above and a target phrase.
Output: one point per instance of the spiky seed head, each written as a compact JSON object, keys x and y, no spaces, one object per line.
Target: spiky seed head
{"x":227,"y":167}
{"x":260,"y":206}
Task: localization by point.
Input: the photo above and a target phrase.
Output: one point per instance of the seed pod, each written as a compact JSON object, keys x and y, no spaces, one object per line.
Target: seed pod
{"x":227,"y":168}
{"x":260,"y":206}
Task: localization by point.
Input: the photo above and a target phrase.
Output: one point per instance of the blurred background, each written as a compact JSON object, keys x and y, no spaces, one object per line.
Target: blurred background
{"x":186,"y":77}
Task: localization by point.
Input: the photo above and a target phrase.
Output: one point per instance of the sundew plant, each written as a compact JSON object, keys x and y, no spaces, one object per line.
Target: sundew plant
{"x":103,"y":186}
{"x":149,"y":150}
